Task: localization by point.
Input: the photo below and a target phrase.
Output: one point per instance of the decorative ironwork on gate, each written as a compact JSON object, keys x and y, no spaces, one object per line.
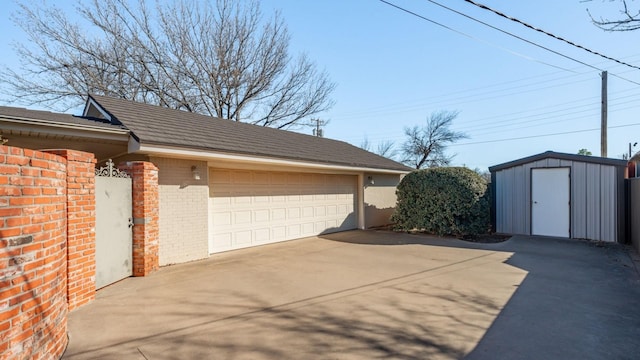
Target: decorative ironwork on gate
{"x":110,"y":170}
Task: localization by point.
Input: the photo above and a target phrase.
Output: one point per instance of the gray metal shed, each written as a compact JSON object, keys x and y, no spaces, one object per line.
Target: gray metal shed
{"x":563,"y":195}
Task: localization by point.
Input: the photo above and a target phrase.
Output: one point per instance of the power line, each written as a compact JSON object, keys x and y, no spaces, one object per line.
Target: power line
{"x":523,"y":39}
{"x":485,"y":7}
{"x":543,"y":115}
{"x":513,"y":35}
{"x":472,"y":37}
{"x":448,"y":98}
{"x":594,"y":112}
{"x":471,"y":98}
{"x":474,"y":135}
{"x":542,"y":135}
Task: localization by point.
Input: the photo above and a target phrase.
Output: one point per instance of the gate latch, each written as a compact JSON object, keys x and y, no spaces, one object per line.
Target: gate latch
{"x":130,"y":222}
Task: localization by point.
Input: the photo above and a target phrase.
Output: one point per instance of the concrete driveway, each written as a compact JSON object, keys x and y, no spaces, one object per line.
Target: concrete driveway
{"x":370,"y":294}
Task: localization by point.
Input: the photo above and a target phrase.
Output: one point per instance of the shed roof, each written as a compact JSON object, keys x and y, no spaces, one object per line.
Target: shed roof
{"x":561,"y":156}
{"x":156,"y":125}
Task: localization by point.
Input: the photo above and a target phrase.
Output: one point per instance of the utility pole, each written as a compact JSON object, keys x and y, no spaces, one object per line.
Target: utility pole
{"x":603,"y":117}
{"x":317,"y":131}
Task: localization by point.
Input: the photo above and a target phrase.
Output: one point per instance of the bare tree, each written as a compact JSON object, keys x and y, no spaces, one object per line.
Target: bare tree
{"x":222,"y":59}
{"x":627,"y":20}
{"x":385,"y":148}
{"x":425,"y":146}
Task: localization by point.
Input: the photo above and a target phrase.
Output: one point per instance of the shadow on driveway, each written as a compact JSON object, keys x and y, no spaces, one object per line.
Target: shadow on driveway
{"x":579,"y":299}
{"x":373,"y":294}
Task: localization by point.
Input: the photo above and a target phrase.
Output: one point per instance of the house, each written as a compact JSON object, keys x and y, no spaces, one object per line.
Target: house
{"x":223,"y":185}
{"x":561,"y":195}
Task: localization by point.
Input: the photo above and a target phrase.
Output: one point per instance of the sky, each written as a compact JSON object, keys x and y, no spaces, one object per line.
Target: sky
{"x":514,"y":98}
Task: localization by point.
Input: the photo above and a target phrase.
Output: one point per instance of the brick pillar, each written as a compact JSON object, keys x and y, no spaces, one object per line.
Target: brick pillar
{"x":144,"y":177}
{"x":81,"y":227}
{"x":33,"y":259}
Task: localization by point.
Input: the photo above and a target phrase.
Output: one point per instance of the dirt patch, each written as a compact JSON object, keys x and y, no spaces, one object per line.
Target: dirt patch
{"x":484,"y":238}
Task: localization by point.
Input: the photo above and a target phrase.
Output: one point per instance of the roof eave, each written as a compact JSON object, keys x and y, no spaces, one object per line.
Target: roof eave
{"x":59,"y":128}
{"x":561,"y":156}
{"x":171,"y":151}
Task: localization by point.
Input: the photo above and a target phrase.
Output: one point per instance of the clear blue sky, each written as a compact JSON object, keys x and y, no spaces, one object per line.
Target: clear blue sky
{"x":394,"y":69}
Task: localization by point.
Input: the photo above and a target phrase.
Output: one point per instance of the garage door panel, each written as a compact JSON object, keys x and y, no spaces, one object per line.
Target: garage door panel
{"x":220,"y":201}
{"x":242,"y":217}
{"x":261,"y":216}
{"x":241,"y":199}
{"x":254,"y":208}
{"x":279,"y":232}
{"x":307,"y":228}
{"x":220,"y":177}
{"x":293,"y":213}
{"x":278,"y":199}
{"x":221,"y":219}
{"x":261,"y":178}
{"x":263,"y":235}
{"x":294,"y":179}
{"x":261,"y":199}
{"x":278,"y":178}
{"x":279,"y":214}
{"x":224,"y":240}
{"x":307,"y":212}
{"x":242,"y":177}
{"x":293,"y":231}
{"x":243,"y":237}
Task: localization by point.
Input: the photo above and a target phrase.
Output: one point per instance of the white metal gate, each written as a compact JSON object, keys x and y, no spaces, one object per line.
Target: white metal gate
{"x":114,"y":249}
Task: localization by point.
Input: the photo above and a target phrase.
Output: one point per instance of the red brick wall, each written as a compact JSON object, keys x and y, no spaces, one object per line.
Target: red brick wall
{"x":144,"y":177}
{"x":81,"y":227}
{"x":33,"y":257}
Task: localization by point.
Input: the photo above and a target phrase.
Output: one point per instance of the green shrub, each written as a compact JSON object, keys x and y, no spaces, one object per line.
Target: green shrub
{"x":443,"y":201}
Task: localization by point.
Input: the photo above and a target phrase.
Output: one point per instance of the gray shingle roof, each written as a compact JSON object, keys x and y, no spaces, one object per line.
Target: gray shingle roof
{"x":162,"y":126}
{"x":53,"y":118}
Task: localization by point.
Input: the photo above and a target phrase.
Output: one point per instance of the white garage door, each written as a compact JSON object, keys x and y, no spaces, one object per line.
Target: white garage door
{"x":248,"y":208}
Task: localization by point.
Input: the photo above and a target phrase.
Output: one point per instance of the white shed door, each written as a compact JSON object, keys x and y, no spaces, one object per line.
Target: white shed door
{"x":550,"y":202}
{"x":248,"y":208}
